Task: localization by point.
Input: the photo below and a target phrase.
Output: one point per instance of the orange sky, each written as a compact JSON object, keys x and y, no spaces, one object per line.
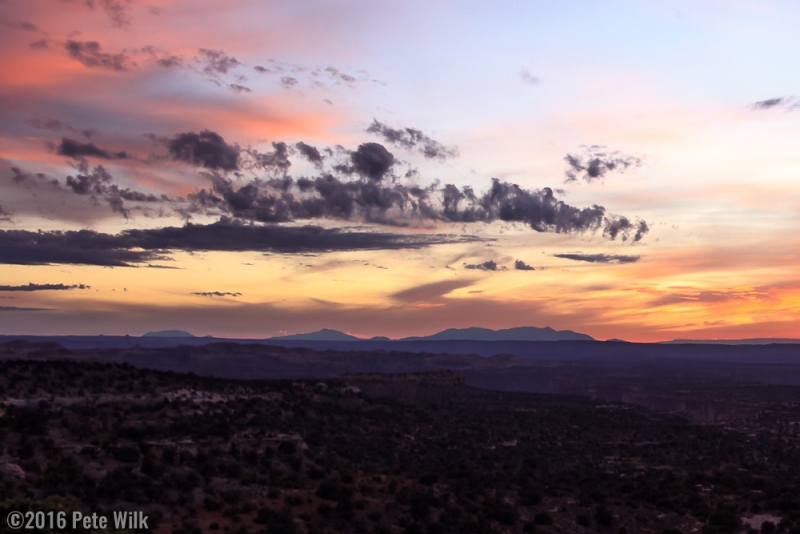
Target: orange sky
{"x":245,"y":169}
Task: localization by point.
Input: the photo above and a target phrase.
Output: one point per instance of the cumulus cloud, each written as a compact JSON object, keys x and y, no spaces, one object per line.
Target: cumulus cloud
{"x":624,"y":227}
{"x":77,"y":150}
{"x":522,"y":266}
{"x":539,"y":209}
{"x":413,"y":139}
{"x":371,"y":160}
{"x":206,"y":149}
{"x":31,"y":180}
{"x":44,"y":287}
{"x":89,"y":53}
{"x":599,"y":258}
{"x":216,"y":294}
{"x":170,"y":61}
{"x":595,"y":163}
{"x":357,"y":189}
{"x":393,"y":203}
{"x":97,"y":184}
{"x":485,"y":266}
{"x":141,"y":246}
{"x":94,"y":182}
{"x":309,"y":152}
{"x":216,"y":62}
{"x":275,"y":161}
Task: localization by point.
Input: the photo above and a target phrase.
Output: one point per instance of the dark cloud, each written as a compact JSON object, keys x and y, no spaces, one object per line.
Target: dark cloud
{"x":430,"y":291}
{"x":54,"y":125}
{"x":224,"y":236}
{"x":284,"y":199}
{"x":250,"y":202}
{"x":263,"y":70}
{"x":413,"y":139}
{"x":393,"y":203}
{"x":522,"y":266}
{"x":485,"y":266}
{"x":94,"y":183}
{"x":311,"y":153}
{"x":275,"y":161}
{"x":26,"y":179}
{"x":528,"y":77}
{"x":18,"y":308}
{"x":88,"y":53}
{"x":770,"y":103}
{"x":336,"y":75}
{"x":595,"y":163}
{"x":207,"y":149}
{"x":215,"y":62}
{"x":41,"y":44}
{"x":5,"y":214}
{"x":539,"y":209}
{"x":216,"y":294}
{"x":599,"y":258}
{"x":288,"y":81}
{"x":239,"y":88}
{"x":75,"y":149}
{"x":84,"y":247}
{"x":97,"y":184}
{"x":141,"y":246}
{"x":623,"y":226}
{"x":368,"y":196}
{"x":372,"y":160}
{"x":44,"y":287}
{"x":170,"y":62}
{"x":116,"y":11}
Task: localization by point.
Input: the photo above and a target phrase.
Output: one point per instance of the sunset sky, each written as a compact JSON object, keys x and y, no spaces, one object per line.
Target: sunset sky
{"x":250,"y":168}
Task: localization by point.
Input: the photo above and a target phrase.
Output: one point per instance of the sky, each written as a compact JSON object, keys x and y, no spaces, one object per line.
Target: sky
{"x":248,"y":168}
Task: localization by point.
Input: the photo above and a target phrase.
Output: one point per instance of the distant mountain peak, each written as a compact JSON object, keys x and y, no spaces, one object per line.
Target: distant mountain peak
{"x":326,"y":334}
{"x":519,"y":333}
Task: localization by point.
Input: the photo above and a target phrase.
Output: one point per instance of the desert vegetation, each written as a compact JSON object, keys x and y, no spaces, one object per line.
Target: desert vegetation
{"x":380,"y":454}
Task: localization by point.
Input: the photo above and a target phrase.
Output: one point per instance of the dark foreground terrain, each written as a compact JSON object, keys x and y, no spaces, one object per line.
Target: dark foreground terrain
{"x":406,"y":453}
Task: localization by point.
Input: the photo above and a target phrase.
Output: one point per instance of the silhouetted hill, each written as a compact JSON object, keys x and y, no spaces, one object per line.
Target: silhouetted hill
{"x":522,"y":333}
{"x":169,"y":333}
{"x":325,"y":334}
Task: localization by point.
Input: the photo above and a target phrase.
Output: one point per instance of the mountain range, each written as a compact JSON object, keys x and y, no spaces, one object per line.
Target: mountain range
{"x":522,"y":333}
